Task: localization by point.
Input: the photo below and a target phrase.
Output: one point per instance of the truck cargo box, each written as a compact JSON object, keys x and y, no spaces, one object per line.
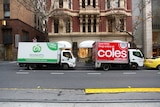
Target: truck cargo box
{"x":39,"y":52}
{"x":110,"y":52}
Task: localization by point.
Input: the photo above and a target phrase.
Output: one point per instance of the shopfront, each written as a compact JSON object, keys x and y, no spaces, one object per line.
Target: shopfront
{"x":85,"y":51}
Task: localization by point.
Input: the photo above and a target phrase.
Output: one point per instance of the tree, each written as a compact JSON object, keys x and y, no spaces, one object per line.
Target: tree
{"x":143,"y":23}
{"x":138,"y":20}
{"x":42,"y":10}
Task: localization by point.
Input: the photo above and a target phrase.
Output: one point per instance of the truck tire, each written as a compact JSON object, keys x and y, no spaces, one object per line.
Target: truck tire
{"x":105,"y":67}
{"x":65,"y":66}
{"x":31,"y":66}
{"x":134,"y":66}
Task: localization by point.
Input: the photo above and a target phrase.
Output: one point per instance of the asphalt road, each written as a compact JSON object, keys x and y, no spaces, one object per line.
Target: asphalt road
{"x":66,"y":88}
{"x":12,"y":76}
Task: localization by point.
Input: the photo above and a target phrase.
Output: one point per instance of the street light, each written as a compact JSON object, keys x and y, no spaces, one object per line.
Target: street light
{"x":4,"y":22}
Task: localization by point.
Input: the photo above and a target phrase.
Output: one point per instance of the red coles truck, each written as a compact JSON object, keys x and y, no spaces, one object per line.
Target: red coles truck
{"x":107,"y":54}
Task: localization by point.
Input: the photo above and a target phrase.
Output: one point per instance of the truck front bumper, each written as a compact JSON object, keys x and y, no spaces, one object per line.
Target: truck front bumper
{"x":73,"y":65}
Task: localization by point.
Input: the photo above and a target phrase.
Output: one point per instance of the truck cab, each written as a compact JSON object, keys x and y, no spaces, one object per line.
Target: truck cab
{"x":67,"y":59}
{"x":136,"y":58}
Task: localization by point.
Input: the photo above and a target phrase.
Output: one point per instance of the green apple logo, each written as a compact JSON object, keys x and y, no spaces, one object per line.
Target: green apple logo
{"x":36,"y":48}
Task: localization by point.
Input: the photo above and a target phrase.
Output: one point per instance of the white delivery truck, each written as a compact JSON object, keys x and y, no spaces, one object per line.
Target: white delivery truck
{"x":108,"y":54}
{"x":43,"y":54}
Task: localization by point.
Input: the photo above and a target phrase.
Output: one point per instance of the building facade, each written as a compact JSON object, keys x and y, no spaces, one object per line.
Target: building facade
{"x":147,"y":34}
{"x":78,"y":23}
{"x":156,"y":27}
{"x":17,"y":24}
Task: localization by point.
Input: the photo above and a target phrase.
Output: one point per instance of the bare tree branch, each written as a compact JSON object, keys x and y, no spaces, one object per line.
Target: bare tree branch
{"x":43,"y":10}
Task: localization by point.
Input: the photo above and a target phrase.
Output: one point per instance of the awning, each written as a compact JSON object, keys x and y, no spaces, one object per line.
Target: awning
{"x":64,"y":44}
{"x":86,"y":44}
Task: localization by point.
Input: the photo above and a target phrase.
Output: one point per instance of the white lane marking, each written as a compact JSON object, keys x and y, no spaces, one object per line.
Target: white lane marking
{"x":128,"y":73}
{"x":94,"y":73}
{"x":22,"y":73}
{"x":57,"y":73}
{"x":12,"y":62}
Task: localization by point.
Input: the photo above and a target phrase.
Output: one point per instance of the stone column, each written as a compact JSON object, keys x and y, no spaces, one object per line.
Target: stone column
{"x":147,"y":33}
{"x":86,"y":23}
{"x":92,"y":21}
{"x":81,"y":23}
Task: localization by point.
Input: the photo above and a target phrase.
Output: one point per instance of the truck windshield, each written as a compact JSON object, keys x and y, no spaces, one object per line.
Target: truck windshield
{"x":138,"y":54}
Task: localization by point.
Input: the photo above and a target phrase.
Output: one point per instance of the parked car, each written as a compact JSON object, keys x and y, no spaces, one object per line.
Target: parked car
{"x":152,"y":62}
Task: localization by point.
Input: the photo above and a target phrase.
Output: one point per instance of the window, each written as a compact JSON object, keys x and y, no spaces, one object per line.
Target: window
{"x":60,"y":3}
{"x":117,"y":3}
{"x":56,"y":24}
{"x":68,"y":25}
{"x":67,"y":55}
{"x":94,"y":24}
{"x":94,"y":3}
{"x":84,"y":25}
{"x":89,"y":2}
{"x":110,"y":21}
{"x":83,"y":3}
{"x":35,"y":21}
{"x":6,"y":8}
{"x":89,"y":24}
{"x":138,"y":54}
{"x":121,"y":24}
{"x":108,"y":4}
{"x":69,"y":4}
{"x":7,"y":36}
{"x":25,"y":36}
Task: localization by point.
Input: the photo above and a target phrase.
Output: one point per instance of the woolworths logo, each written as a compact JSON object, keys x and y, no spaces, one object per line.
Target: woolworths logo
{"x":52,"y":46}
{"x":36,"y":48}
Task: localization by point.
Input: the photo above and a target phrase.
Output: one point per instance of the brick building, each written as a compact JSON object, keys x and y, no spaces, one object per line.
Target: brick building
{"x":78,"y":23}
{"x":17,"y":24}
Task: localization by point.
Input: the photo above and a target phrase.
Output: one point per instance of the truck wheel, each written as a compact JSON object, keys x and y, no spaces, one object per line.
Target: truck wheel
{"x":134,"y":66}
{"x":106,"y":67}
{"x":65,"y":66}
{"x":30,"y":67}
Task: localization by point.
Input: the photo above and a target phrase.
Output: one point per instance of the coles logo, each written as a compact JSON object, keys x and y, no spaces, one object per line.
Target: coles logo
{"x":112,"y":51}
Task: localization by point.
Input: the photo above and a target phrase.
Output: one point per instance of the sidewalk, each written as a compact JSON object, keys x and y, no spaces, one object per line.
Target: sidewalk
{"x":72,"y":95}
